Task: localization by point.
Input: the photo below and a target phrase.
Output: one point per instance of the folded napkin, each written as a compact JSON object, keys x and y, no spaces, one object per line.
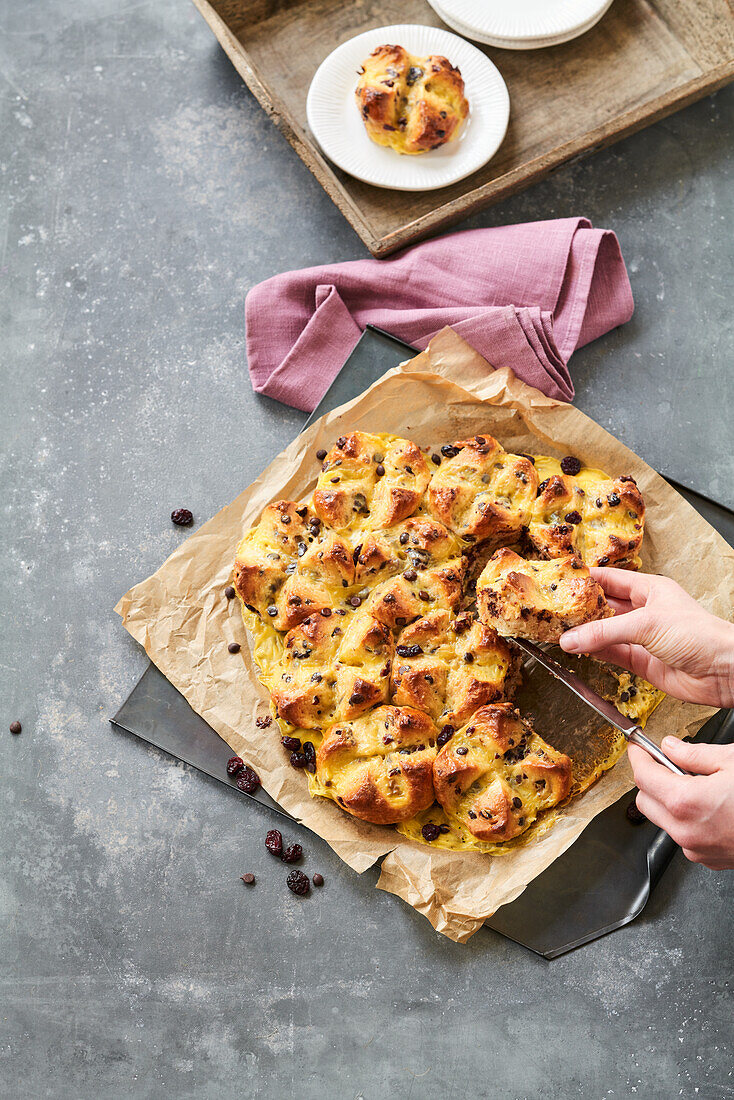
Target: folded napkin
{"x":525,"y":296}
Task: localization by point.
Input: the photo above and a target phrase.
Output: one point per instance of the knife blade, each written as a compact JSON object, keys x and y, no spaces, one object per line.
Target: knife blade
{"x":632,"y":732}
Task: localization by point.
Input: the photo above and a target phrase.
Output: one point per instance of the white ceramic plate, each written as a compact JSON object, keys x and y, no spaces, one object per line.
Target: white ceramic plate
{"x":517,"y":43}
{"x":557,"y":20}
{"x":337,"y":126}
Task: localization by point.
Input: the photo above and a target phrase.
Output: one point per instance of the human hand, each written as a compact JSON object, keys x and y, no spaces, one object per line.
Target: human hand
{"x":661,"y":633}
{"x":696,"y":810}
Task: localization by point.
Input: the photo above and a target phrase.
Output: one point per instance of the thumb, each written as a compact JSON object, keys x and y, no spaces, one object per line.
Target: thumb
{"x":698,"y":759}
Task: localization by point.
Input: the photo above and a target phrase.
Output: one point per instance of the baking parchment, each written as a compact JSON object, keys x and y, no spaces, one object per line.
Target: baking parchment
{"x":182,"y":618}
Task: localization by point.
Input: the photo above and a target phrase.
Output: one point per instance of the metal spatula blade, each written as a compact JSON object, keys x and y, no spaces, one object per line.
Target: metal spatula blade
{"x":603,"y":707}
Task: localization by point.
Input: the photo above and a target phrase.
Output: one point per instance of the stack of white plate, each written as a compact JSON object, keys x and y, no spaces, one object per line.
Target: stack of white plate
{"x":520,"y":24}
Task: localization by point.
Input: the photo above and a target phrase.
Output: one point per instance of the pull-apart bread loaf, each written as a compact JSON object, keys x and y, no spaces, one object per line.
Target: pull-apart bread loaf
{"x":360,"y":599}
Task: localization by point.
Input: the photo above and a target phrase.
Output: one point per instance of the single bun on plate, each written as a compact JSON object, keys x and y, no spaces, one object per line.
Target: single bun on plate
{"x":380,"y":767}
{"x":538,"y":600}
{"x":410,"y":104}
{"x":496,"y":774}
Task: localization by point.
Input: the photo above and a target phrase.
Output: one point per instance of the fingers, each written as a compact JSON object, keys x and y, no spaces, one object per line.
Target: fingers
{"x":698,"y":759}
{"x":624,"y":584}
{"x":707,"y":860}
{"x":657,"y":782}
{"x":632,"y":657}
{"x":620,"y":607}
{"x":591,"y":637}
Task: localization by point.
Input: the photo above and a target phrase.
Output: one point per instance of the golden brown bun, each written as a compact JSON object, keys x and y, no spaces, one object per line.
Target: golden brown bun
{"x":290,"y":565}
{"x":380,"y":767}
{"x":495,"y":775}
{"x":450,"y":667}
{"x":366,"y":485}
{"x":333,"y":667}
{"x":411,"y":104}
{"x":538,"y":599}
{"x":483,"y":493}
{"x":603,"y":522}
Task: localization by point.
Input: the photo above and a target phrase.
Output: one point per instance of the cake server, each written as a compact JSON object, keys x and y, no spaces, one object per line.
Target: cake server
{"x":603,"y":707}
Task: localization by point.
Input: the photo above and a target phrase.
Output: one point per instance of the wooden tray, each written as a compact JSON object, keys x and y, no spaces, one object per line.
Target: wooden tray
{"x":643,"y":61}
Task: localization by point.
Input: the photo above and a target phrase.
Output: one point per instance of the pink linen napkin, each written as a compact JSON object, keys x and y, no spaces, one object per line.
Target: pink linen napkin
{"x":525,"y":296}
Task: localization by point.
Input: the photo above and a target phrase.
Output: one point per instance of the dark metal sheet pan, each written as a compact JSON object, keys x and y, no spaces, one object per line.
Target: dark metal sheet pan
{"x":601,"y":883}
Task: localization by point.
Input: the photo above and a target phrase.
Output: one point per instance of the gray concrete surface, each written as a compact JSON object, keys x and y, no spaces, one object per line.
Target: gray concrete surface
{"x":144,"y":191}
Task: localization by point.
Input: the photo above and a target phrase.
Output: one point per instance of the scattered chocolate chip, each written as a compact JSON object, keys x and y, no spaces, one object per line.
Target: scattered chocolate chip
{"x":469,"y":658}
{"x":235,"y":764}
{"x":430,"y":831}
{"x":542,"y":486}
{"x":444,"y":828}
{"x":298,"y":760}
{"x":634,"y":815}
{"x":272,"y":611}
{"x":573,"y":517}
{"x":414,"y":73}
{"x":423,"y":595}
{"x":462,"y":750}
{"x":410,"y":574}
{"x":436,"y":459}
{"x":293,"y":744}
{"x":448,"y":451}
{"x":326,"y":612}
{"x":604,"y":559}
{"x":517,"y":803}
{"x":445,"y":735}
{"x":15,"y":727}
{"x":613,"y":499}
{"x":570,"y":465}
{"x":409,"y":650}
{"x":182,"y":517}
{"x":248,"y":780}
{"x":355,"y":601}
{"x":292,"y":853}
{"x":298,"y":883}
{"x":248,"y":879}
{"x":264,"y":722}
{"x":317,"y":879}
{"x":285,"y":519}
{"x":404,"y":538}
{"x":528,"y":457}
{"x":380,"y":470}
{"x":274,"y":842}
{"x":234,"y":647}
{"x":230,"y":592}
{"x":624,"y":696}
{"x":633,"y":691}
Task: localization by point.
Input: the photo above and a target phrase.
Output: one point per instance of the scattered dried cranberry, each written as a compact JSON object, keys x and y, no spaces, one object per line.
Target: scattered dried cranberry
{"x":182,"y":517}
{"x":293,"y":744}
{"x":263,"y":723}
{"x":570,"y":465}
{"x":248,"y":879}
{"x":317,"y":879}
{"x":298,"y":883}
{"x":234,"y":647}
{"x":298,"y":760}
{"x":15,"y":727}
{"x":634,"y":815}
{"x":430,"y":831}
{"x":274,"y":842}
{"x":310,"y":753}
{"x":573,"y":517}
{"x":292,"y":853}
{"x":248,"y":780}
{"x":445,"y":735}
{"x":235,"y":764}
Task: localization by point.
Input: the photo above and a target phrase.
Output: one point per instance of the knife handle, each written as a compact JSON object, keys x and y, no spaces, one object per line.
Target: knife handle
{"x":637,"y":737}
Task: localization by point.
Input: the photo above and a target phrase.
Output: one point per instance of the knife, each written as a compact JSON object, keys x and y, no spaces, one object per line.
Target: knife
{"x":607,"y":710}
